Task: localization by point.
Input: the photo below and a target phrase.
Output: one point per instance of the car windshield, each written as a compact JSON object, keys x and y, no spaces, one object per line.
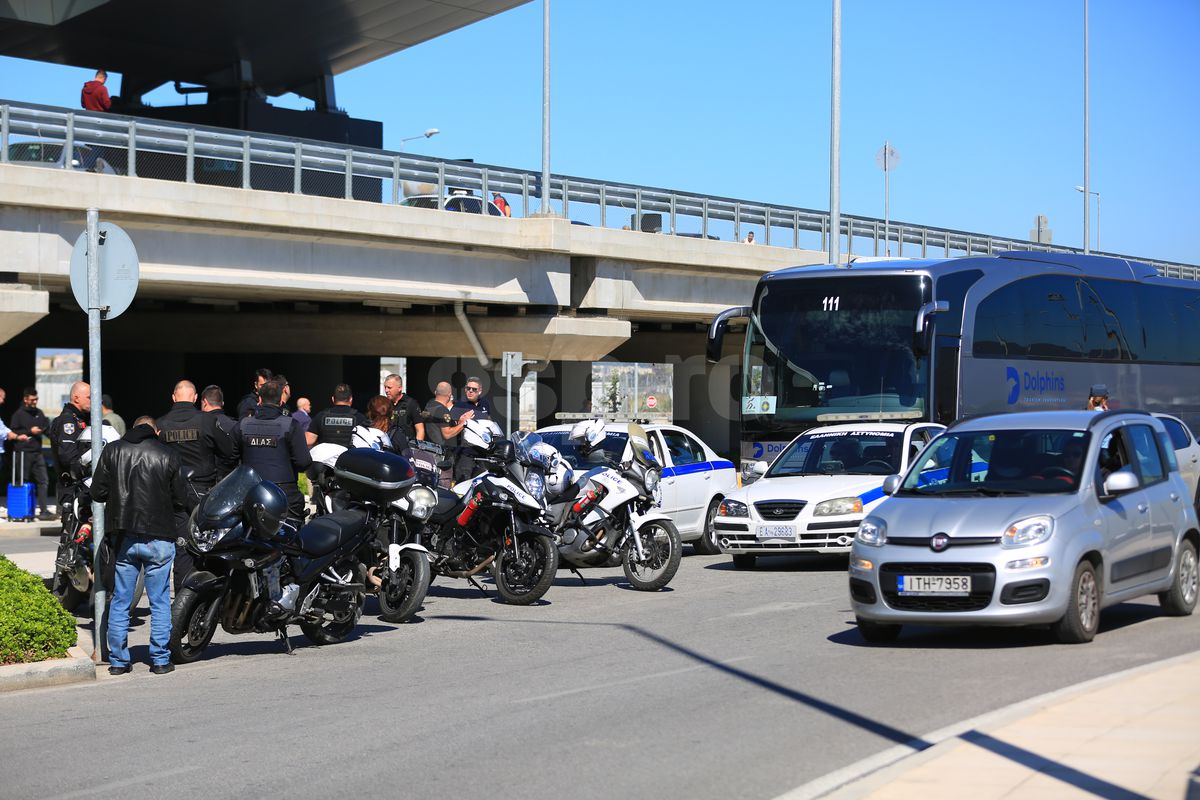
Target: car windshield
{"x":607,"y":454}
{"x":1001,"y":462}
{"x":840,"y":453}
{"x":420,"y":202}
{"x":35,"y":151}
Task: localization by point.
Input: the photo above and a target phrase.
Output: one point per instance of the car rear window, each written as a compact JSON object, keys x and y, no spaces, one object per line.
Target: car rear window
{"x":1180,"y":437}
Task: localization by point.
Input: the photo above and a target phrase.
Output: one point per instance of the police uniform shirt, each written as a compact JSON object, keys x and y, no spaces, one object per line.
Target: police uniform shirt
{"x":436,"y":417}
{"x":274,"y":445}
{"x":64,"y":437}
{"x":246,"y":405}
{"x":334,"y":425}
{"x":226,"y":463}
{"x":406,"y":413}
{"x":196,"y":437}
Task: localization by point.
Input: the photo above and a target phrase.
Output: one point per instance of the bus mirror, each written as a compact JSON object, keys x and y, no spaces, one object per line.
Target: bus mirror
{"x":716,"y":331}
{"x":928,"y":310}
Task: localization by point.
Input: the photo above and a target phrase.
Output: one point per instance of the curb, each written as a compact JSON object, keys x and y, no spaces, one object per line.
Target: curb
{"x":860,"y":778}
{"x":75,"y":668}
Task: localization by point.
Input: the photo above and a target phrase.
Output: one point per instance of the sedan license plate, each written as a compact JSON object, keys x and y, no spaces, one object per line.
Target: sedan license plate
{"x":776,"y":532}
{"x":933,"y":584}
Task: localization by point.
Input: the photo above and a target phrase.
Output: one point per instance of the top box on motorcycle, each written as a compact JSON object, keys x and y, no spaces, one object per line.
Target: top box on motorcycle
{"x":374,"y":475}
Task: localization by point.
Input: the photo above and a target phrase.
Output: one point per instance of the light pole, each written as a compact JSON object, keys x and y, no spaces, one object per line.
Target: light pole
{"x":546,"y":210}
{"x":428,"y":133}
{"x":1085,"y":200}
{"x":1086,"y":207}
{"x":835,"y":141}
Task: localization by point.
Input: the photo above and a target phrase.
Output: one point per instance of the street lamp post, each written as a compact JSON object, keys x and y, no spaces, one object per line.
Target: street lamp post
{"x":428,"y":133}
{"x":1086,"y":199}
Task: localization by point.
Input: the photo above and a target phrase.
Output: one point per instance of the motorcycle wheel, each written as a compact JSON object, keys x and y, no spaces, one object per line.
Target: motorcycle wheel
{"x":334,"y":631}
{"x":65,"y":593}
{"x":523,"y":579}
{"x":660,"y":542}
{"x":193,"y":623}
{"x":404,"y":590}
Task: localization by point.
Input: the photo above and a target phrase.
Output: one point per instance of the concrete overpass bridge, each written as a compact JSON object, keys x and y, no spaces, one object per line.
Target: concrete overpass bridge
{"x":287,"y":252}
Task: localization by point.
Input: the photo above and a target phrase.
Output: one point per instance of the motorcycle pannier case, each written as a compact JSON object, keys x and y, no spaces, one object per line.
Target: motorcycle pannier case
{"x":374,"y":475}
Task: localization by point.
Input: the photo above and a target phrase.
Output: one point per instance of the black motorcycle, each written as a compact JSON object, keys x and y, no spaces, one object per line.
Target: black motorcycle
{"x":493,"y":521}
{"x":398,"y":567}
{"x":254,"y":575}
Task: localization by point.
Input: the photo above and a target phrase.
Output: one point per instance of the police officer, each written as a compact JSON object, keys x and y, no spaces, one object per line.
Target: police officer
{"x":212,"y":402}
{"x":249,"y":402}
{"x":273,"y":444}
{"x":334,"y":424}
{"x":406,"y":411}
{"x":66,"y":427}
{"x":195,"y":436}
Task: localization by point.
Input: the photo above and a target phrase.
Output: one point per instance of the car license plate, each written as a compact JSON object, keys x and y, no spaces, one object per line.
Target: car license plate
{"x":776,"y":532}
{"x":934,"y":584}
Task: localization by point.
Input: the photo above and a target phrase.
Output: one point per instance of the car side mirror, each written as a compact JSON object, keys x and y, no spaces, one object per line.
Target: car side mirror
{"x":891,"y":484}
{"x":1120,"y":482}
{"x":758,"y":469}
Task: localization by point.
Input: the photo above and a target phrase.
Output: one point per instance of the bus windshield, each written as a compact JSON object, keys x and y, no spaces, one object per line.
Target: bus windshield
{"x":834,"y":349}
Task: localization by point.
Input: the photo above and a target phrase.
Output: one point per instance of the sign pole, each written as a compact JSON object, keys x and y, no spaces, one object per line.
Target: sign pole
{"x":93,"y":312}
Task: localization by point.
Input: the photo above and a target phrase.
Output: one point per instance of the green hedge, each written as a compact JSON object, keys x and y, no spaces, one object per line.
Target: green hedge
{"x":33,"y":624}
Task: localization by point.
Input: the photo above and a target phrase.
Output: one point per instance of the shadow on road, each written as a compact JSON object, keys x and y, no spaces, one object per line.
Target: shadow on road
{"x":802,"y":563}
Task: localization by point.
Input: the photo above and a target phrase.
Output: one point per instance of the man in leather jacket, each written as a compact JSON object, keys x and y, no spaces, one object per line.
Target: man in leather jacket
{"x":66,"y":427}
{"x":141,"y":481}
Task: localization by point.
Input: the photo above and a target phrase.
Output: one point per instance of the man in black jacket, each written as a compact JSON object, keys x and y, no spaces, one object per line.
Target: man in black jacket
{"x":66,"y":427}
{"x":141,"y":481}
{"x":212,"y":402}
{"x":199,"y":441}
{"x":249,"y":402}
{"x":29,"y":420}
{"x":274,"y":445}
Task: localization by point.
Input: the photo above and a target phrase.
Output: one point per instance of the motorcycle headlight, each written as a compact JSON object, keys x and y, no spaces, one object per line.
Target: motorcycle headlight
{"x":732,"y":508}
{"x":1028,"y":531}
{"x":842,"y":505}
{"x":535,"y":484}
{"x":872,"y":531}
{"x":421,"y":502}
{"x":206,"y":540}
{"x":651,"y":479}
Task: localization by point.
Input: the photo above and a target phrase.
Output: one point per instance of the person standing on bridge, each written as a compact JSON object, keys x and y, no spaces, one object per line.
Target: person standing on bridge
{"x":94,"y":96}
{"x":749,"y":238}
{"x":502,"y":204}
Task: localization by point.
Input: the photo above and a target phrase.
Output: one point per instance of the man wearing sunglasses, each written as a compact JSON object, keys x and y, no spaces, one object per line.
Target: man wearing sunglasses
{"x":480,"y":406}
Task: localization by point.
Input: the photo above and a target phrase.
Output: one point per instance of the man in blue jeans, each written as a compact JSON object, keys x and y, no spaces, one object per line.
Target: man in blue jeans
{"x":140,"y":480}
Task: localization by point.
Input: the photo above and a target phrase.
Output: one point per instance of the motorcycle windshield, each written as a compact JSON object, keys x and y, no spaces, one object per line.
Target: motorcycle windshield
{"x":524,"y":441}
{"x":639,"y":445}
{"x":227,"y":496}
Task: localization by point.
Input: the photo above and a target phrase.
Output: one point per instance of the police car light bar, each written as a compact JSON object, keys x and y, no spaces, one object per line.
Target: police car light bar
{"x":868,"y":416}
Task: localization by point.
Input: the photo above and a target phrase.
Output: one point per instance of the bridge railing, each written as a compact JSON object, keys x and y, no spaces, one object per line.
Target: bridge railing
{"x":157,"y":149}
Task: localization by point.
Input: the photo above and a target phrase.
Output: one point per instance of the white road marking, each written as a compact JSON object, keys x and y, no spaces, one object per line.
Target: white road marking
{"x":150,"y":779}
{"x":635,"y":679}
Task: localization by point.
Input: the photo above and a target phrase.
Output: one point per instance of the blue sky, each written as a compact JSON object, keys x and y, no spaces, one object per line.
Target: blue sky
{"x":983,"y":101}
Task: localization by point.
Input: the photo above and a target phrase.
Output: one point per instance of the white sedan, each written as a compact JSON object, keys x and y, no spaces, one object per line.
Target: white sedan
{"x":811,"y":499}
{"x":1187,"y":452}
{"x":694,"y":479}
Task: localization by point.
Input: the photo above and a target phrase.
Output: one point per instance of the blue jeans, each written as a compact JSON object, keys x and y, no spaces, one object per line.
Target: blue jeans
{"x":155,"y":557}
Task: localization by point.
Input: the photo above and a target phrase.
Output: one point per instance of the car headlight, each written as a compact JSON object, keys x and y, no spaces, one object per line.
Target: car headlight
{"x":1028,"y":531}
{"x":872,"y":531}
{"x":732,"y":508}
{"x":842,"y":505}
{"x":651,"y":479}
{"x":421,"y":502}
{"x":535,"y":484}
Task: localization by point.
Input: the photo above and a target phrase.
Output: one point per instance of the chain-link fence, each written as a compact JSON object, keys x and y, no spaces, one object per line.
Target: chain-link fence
{"x":40,"y":135}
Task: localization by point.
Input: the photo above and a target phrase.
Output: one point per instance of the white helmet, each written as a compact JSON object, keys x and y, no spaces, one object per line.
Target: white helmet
{"x":481,"y":433}
{"x":107,"y":434}
{"x":588,"y":434}
{"x":362,"y":436}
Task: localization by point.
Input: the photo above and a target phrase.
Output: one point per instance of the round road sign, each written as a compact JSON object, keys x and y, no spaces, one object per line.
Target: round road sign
{"x":651,"y":401}
{"x":118,"y":263}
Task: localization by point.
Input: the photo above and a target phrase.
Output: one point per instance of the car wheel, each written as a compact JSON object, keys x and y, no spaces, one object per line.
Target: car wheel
{"x":706,"y":545}
{"x":1082,"y":619}
{"x":744,"y":561}
{"x":877,"y":632}
{"x":1180,"y":599}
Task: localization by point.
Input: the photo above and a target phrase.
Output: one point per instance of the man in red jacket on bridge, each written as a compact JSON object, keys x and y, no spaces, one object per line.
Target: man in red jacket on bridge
{"x":94,"y":96}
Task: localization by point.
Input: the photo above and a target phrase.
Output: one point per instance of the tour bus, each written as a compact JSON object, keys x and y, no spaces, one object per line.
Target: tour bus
{"x":937,"y":340}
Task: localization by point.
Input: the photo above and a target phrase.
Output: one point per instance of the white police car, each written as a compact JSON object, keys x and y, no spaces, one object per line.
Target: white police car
{"x":694,"y":478}
{"x":811,"y":499}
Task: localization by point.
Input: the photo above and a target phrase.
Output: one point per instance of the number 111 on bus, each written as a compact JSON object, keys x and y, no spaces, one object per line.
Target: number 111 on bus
{"x":831,"y":303}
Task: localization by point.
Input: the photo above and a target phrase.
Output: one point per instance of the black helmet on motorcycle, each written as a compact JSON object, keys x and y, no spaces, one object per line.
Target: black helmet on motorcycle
{"x":265,"y":507}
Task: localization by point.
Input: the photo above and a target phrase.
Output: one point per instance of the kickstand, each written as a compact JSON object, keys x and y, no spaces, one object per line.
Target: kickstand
{"x":287,"y":643}
{"x":471,"y":580}
{"x":582,"y":579}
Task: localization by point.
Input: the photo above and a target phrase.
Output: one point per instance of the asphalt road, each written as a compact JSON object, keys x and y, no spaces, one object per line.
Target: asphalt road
{"x":732,"y":684}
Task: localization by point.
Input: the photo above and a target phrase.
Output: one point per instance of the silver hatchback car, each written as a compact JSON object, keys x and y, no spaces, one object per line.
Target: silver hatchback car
{"x":1031,"y":518}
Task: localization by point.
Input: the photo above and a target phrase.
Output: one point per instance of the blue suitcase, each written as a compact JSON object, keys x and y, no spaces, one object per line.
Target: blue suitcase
{"x":22,"y":496}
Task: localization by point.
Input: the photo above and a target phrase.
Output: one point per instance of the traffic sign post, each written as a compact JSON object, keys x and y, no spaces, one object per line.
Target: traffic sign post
{"x":511,"y":364}
{"x":104,"y":279}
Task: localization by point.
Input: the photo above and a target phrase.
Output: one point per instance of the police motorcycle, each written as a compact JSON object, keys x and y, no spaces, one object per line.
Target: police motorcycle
{"x":74,"y":572}
{"x":606,"y":515}
{"x":492,"y":521}
{"x":398,"y":568}
{"x":255,"y":575}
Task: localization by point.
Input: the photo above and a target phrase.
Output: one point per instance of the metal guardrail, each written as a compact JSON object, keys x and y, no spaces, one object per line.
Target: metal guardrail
{"x":195,"y":154}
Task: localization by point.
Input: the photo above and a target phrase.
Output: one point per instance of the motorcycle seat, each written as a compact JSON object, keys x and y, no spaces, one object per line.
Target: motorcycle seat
{"x":329,"y":532}
{"x":448,"y":505}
